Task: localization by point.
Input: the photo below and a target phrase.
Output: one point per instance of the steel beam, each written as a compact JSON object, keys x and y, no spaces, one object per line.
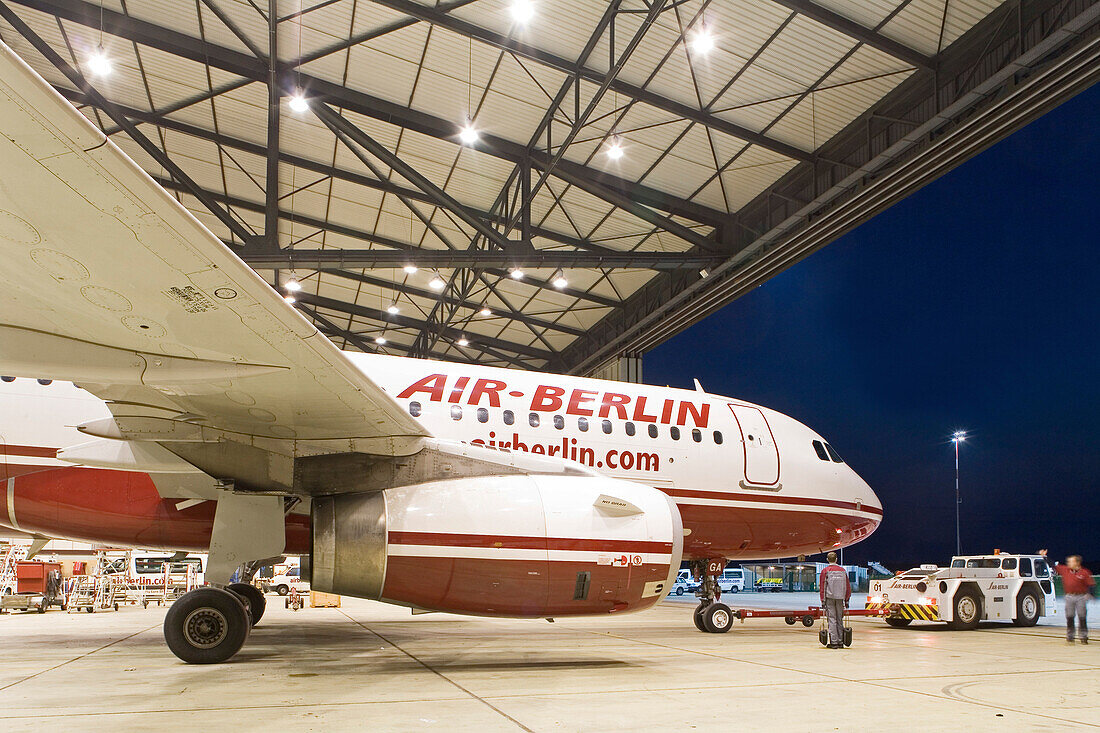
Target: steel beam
{"x":458,"y":303}
{"x":859,"y":32}
{"x":330,"y":259}
{"x":570,"y":67}
{"x":235,"y":62}
{"x":403,"y":321}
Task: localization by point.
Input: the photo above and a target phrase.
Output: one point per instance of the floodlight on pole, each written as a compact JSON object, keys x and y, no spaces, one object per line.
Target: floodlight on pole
{"x":958,"y":437}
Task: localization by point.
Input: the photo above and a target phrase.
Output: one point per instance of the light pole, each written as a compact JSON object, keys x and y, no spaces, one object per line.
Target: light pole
{"x":957,"y":438}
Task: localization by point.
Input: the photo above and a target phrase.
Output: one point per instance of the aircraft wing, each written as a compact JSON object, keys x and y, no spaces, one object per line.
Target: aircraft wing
{"x":108,"y":281}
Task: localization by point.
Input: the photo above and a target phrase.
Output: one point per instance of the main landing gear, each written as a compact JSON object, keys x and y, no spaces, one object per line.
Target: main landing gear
{"x":711,"y":615}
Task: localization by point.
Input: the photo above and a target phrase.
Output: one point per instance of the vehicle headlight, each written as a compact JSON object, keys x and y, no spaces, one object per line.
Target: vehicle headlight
{"x":922,"y":587}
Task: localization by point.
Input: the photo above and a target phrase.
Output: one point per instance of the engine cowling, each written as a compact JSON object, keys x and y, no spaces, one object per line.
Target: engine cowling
{"x":518,"y":546}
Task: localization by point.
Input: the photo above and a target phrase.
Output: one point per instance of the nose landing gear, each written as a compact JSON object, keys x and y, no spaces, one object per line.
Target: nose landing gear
{"x":711,"y":616}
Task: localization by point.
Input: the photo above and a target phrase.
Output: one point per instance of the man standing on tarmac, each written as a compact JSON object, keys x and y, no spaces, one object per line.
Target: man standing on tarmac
{"x":1078,"y":583}
{"x":835,"y":591}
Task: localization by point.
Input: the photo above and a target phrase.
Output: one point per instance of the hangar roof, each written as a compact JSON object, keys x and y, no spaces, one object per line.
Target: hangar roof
{"x":536,"y":244}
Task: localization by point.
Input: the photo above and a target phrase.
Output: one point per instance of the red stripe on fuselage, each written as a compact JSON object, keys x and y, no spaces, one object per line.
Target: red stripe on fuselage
{"x":449,"y":539}
{"x":11,"y":470}
{"x":807,"y":501}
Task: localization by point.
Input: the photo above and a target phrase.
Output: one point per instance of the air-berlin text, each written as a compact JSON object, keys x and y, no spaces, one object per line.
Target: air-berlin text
{"x":548,"y":398}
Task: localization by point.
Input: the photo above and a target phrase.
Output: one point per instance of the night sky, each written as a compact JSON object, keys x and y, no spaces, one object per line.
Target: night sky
{"x":973,"y":304}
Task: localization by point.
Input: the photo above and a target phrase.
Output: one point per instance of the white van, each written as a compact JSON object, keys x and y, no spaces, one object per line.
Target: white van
{"x":732,"y":580}
{"x":284,"y":581}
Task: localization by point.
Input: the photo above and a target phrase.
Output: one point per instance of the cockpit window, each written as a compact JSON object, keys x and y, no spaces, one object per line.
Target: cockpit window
{"x":819,"y":448}
{"x":833,"y":454}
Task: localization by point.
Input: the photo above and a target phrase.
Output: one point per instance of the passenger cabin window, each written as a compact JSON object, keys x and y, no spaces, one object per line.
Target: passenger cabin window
{"x":414,"y":409}
{"x":697,"y":435}
{"x":559,"y":422}
{"x":533,"y":419}
{"x":482,"y":415}
{"x":674,"y":432}
{"x":1009,"y":563}
{"x":819,"y":448}
{"x":718,"y":437}
{"x":652,"y":430}
{"x":456,"y":412}
{"x":1025,"y":567}
{"x":630,"y":428}
{"x":984,"y":562}
{"x":833,"y":454}
{"x":606,"y":425}
{"x":509,"y":417}
{"x":582,"y":424}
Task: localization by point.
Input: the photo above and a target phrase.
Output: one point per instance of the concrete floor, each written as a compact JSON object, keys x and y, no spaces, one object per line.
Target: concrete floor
{"x":368,"y":666}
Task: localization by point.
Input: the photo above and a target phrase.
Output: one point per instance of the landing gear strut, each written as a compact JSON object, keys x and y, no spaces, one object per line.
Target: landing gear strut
{"x":711,"y":615}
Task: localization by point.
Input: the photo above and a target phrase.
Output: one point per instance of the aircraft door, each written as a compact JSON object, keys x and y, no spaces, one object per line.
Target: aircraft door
{"x":758,"y":443}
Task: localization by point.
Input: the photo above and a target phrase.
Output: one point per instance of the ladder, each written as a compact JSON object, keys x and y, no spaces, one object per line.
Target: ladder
{"x":11,"y":555}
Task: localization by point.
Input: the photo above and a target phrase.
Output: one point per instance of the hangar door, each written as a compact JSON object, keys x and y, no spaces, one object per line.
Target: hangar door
{"x":761,"y":452}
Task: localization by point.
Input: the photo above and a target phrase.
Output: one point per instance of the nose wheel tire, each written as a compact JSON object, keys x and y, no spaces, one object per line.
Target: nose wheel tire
{"x":206,"y":626}
{"x":717,"y":618}
{"x":253,"y":599}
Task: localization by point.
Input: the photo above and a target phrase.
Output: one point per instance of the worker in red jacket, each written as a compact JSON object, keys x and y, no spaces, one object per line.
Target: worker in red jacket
{"x":835,"y":591}
{"x":1078,"y":584}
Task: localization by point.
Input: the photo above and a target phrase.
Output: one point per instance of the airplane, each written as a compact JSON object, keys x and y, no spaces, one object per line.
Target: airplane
{"x":159,"y":393}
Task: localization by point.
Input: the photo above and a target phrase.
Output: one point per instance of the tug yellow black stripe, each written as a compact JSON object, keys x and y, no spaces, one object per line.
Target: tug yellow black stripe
{"x":911,"y":611}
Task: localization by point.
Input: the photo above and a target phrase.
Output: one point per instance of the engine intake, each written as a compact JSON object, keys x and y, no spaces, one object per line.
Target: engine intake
{"x":520,"y":546}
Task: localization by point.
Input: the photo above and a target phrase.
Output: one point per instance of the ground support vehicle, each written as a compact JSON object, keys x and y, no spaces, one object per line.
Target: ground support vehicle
{"x":975,"y":588}
{"x":38,"y":585}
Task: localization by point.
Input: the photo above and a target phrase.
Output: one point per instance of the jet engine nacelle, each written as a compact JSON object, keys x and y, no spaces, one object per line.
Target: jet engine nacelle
{"x":520,"y":546}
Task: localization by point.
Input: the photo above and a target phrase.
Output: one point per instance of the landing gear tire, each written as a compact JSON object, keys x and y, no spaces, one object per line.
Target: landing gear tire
{"x":253,"y":599}
{"x":897,"y":622}
{"x":698,"y":618}
{"x":206,"y":626}
{"x":1027,"y":608}
{"x":717,"y":618}
{"x":968,"y":611}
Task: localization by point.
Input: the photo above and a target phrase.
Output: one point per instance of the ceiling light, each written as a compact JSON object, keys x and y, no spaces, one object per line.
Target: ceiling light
{"x":380,"y":340}
{"x":615,"y":149}
{"x":410,"y":269}
{"x":292,"y":285}
{"x":298,"y":103}
{"x":517,"y":274}
{"x":468,"y":134}
{"x":522,"y":10}
{"x":702,"y":41}
{"x":486,"y":312}
{"x":704,"y":273}
{"x":290,"y":299}
{"x":560,"y":282}
{"x":393,"y":309}
{"x":463,"y":342}
{"x":99,"y":64}
{"x":437,"y":283}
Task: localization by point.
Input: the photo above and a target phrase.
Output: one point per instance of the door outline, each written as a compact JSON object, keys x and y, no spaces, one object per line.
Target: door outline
{"x":774,"y":484}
